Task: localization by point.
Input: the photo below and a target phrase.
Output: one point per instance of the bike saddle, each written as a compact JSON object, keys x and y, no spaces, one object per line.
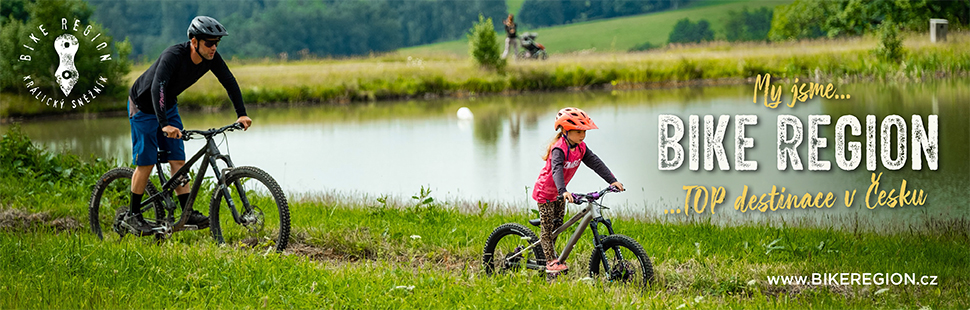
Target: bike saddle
{"x":535,"y":222}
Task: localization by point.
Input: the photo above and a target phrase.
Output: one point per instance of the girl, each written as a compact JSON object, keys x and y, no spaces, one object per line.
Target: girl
{"x":562,"y":160}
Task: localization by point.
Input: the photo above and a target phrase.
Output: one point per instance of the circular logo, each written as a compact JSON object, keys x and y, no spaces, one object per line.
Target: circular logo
{"x":62,"y":44}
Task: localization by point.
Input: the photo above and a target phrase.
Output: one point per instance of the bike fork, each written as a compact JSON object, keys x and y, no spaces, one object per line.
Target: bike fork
{"x":598,"y":242}
{"x":224,"y":188}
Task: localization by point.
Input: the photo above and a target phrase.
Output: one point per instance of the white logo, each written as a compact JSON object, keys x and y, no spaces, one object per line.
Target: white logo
{"x":66,"y":46}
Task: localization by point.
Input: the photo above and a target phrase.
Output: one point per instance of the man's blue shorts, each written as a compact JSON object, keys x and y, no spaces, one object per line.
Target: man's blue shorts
{"x":147,"y":138}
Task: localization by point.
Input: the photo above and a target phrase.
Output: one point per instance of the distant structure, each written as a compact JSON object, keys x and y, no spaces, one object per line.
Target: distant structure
{"x":938,"y":30}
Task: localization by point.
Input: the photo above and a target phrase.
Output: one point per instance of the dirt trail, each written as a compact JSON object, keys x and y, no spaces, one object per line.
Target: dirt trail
{"x":20,"y":220}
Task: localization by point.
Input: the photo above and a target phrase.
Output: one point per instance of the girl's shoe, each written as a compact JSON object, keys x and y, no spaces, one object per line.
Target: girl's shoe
{"x":554,"y":266}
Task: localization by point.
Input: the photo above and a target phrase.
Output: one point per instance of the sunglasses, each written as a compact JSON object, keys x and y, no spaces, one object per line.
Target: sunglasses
{"x":210,"y":43}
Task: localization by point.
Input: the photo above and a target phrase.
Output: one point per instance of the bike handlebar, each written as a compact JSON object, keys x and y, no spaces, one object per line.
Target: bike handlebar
{"x":593,"y":196}
{"x":188,"y":134}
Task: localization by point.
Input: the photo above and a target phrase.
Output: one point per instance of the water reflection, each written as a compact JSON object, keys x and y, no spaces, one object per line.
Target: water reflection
{"x":395,"y":148}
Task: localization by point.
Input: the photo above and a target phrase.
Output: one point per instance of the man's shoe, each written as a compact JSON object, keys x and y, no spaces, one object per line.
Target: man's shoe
{"x":197,"y":219}
{"x":137,"y":223}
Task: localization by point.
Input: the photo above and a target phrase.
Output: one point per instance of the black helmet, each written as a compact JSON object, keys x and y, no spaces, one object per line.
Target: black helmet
{"x":206,"y":26}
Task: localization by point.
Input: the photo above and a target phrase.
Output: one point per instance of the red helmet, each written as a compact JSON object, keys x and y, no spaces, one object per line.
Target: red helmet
{"x":574,"y":119}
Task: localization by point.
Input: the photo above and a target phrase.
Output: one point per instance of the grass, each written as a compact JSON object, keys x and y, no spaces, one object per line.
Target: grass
{"x":514,"y":6}
{"x":358,"y":252}
{"x":615,"y":34}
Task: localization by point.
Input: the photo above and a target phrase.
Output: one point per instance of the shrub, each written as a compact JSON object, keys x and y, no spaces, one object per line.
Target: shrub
{"x":484,"y":46}
{"x":686,"y":31}
{"x":644,"y":47}
{"x":890,"y":44}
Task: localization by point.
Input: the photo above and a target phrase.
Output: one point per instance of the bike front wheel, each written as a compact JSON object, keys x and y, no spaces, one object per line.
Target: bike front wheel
{"x":625,"y":262}
{"x":262,"y":215}
{"x":110,"y":201}
{"x":506,"y":250}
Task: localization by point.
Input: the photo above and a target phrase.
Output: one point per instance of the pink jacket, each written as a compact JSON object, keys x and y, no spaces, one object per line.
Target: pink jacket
{"x":545,"y":188}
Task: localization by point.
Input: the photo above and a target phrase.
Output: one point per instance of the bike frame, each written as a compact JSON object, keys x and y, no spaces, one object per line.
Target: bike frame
{"x":588,"y":216}
{"x":211,"y":154}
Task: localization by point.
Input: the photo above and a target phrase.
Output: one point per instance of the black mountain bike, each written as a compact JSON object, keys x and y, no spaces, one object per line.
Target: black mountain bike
{"x":259,"y":211}
{"x":619,"y":258}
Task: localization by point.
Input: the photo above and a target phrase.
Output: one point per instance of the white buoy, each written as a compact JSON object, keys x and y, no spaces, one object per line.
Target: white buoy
{"x":465,"y":113}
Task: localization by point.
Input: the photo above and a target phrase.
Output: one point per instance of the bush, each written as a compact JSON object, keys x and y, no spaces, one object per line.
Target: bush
{"x":748,"y":26}
{"x":687,"y":32}
{"x":484,"y":46}
{"x":644,"y":47}
{"x":890,"y":44}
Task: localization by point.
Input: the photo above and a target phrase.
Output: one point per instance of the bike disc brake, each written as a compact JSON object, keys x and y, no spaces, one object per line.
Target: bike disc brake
{"x":511,"y":260}
{"x":254,"y":220}
{"x":622,"y":271}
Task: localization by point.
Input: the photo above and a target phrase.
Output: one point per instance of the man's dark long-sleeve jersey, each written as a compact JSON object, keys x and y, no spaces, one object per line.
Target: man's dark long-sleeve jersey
{"x":157,"y":89}
{"x":589,"y":159}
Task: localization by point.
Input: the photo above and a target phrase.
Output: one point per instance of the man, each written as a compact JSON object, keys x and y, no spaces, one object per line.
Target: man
{"x":154,"y":116}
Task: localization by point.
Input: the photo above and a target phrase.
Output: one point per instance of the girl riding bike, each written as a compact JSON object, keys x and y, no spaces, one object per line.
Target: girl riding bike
{"x":563,"y":156}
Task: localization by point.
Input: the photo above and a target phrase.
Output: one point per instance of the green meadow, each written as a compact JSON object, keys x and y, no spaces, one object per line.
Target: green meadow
{"x":614,"y":34}
{"x":354,"y":251}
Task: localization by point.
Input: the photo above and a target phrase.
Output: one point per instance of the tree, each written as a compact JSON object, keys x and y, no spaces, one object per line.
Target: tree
{"x":540,"y":13}
{"x":483,"y":45}
{"x":834,"y":18}
{"x":890,"y":44}
{"x":686,"y":31}
{"x":748,"y":26}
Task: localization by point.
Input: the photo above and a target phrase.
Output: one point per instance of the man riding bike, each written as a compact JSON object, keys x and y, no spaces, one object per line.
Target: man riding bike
{"x":154,"y":116}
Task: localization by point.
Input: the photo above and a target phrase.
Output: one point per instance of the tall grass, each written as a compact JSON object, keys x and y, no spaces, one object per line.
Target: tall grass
{"x":423,"y":253}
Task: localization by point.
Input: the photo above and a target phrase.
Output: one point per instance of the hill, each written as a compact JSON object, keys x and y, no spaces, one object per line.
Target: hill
{"x":616,"y":34}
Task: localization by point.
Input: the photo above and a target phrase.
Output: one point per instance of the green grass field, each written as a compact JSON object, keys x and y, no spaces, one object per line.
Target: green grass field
{"x":616,"y":34}
{"x":514,"y":6}
{"x":356,"y":252}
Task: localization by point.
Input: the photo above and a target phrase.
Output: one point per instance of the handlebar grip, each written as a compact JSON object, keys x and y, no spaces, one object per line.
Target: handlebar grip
{"x":577,"y":199}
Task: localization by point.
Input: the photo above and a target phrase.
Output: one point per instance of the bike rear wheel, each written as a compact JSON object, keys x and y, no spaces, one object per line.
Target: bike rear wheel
{"x":627,"y":262}
{"x":261,"y":205}
{"x":110,"y":201}
{"x":499,"y":255}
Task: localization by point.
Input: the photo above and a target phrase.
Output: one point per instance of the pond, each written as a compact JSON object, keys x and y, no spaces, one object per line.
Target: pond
{"x":395,"y":148}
